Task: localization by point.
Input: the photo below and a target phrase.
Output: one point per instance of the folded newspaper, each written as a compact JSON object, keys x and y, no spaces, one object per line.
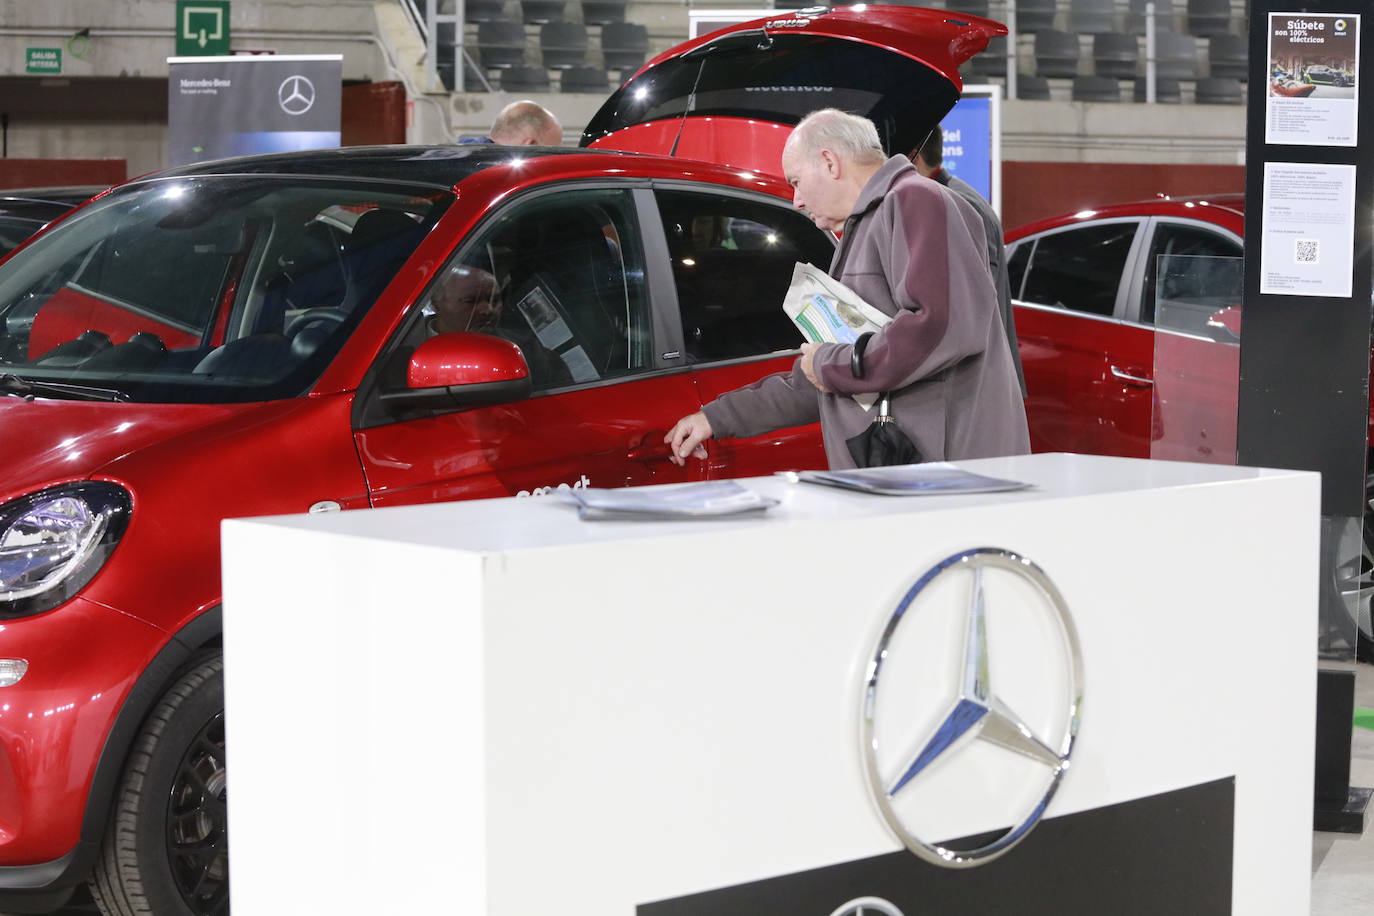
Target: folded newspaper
{"x":827,"y":311}
{"x":704,"y":499}
{"x":934,"y":478}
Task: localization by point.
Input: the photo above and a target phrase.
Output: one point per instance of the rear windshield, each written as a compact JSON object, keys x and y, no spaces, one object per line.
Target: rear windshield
{"x":904,"y":97}
{"x":207,"y":289}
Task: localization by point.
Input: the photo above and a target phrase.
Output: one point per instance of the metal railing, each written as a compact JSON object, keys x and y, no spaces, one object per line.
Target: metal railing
{"x":428,"y":23}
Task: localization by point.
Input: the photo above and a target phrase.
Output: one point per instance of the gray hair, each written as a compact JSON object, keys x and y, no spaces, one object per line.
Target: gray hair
{"x":852,"y":136}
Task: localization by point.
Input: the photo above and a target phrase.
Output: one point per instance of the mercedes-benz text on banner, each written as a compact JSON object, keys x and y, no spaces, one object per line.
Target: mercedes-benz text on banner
{"x":233,"y":106}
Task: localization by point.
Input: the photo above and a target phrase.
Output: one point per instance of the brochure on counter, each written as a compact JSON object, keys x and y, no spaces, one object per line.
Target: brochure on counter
{"x":705,"y":499}
{"x":935,"y":478}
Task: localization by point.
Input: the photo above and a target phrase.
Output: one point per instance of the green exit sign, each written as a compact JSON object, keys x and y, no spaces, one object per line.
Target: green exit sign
{"x":43,"y":60}
{"x":202,"y":27}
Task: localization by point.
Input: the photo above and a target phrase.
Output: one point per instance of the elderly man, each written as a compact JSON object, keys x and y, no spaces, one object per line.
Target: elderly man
{"x":915,"y":251}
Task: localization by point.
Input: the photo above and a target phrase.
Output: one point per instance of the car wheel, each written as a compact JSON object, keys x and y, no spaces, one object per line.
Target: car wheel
{"x":166,"y":849}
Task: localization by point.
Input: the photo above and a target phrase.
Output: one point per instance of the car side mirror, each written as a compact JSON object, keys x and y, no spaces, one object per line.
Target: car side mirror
{"x":1225,"y":324}
{"x":463,"y":370}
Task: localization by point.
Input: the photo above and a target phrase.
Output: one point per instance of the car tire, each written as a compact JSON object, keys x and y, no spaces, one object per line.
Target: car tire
{"x":166,"y":848}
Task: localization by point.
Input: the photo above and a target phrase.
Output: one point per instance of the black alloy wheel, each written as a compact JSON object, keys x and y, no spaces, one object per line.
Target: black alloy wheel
{"x":198,"y":823}
{"x":166,"y":848}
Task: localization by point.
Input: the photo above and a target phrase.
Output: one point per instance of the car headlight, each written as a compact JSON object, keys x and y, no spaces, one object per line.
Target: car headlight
{"x":52,"y":543}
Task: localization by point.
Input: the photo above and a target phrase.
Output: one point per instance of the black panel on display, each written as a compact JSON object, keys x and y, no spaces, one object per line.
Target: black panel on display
{"x":1137,"y":858}
{"x":1304,"y":359}
{"x":1305,"y":338}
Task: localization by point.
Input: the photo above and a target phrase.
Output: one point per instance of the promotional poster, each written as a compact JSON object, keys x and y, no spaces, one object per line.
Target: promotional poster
{"x":1314,"y":68}
{"x":237,"y":105}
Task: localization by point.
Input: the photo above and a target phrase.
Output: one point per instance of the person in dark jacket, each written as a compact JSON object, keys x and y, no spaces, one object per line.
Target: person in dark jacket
{"x":916,"y":252}
{"x":929,"y":160}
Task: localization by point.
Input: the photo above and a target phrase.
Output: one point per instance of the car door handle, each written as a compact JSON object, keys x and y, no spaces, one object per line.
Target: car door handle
{"x":650,"y":448}
{"x":648,"y":453}
{"x":1129,"y":379}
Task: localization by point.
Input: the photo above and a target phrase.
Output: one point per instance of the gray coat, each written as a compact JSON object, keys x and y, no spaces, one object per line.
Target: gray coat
{"x":914,"y":250}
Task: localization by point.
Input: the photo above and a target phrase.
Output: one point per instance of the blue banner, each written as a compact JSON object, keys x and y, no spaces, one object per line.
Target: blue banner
{"x":968,"y":152}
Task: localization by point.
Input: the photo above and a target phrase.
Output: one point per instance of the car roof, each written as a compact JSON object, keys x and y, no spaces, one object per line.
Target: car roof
{"x":441,"y":166}
{"x":1224,"y":209}
{"x":445,"y":166}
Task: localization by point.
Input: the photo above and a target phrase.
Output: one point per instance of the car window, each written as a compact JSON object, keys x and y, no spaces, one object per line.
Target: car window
{"x":562,"y":276}
{"x":1017,"y":260}
{"x":189,"y":278}
{"x":1080,"y":268}
{"x":732,"y":261}
{"x":214,"y":289}
{"x":1201,"y":274}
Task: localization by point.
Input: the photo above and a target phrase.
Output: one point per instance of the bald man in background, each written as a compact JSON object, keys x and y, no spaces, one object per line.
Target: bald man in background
{"x":523,"y":123}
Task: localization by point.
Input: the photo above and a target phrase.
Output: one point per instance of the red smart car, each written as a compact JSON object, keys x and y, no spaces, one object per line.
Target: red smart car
{"x":368,"y":327}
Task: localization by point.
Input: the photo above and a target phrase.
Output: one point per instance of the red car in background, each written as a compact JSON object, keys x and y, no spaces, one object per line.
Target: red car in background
{"x":1125,"y":316}
{"x":1128,"y":321}
{"x":259,"y":336}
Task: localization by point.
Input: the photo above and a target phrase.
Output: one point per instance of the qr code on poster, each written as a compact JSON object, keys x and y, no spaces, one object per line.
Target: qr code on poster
{"x":1305,"y":251}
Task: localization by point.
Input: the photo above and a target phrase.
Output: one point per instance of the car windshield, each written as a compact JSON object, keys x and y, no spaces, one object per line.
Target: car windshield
{"x":205,"y":289}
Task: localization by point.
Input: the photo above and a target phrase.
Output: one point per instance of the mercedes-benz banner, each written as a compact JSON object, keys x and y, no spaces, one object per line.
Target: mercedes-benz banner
{"x":232,"y":106}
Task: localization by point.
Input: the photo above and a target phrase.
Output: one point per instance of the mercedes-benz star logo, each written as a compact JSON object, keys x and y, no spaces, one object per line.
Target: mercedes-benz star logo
{"x":296,"y":95}
{"x":868,"y":906}
{"x":976,"y":711}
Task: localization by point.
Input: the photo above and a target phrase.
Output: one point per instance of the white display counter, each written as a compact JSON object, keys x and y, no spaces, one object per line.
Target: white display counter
{"x":495,"y":707}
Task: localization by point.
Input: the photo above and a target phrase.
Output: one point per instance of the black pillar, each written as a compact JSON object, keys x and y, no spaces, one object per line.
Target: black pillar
{"x":1305,"y":341}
